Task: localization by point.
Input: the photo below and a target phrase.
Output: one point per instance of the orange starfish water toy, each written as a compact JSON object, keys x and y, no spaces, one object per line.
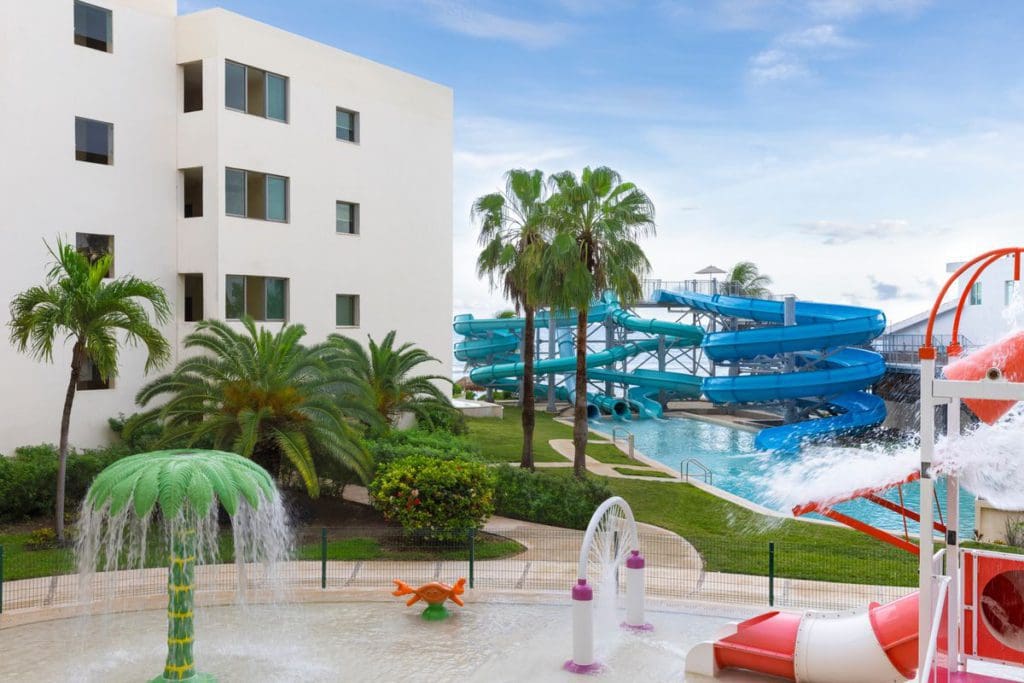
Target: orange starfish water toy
{"x":434,"y":594}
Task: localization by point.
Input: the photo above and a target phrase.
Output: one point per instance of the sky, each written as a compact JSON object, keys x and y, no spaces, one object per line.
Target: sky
{"x":850,"y":148}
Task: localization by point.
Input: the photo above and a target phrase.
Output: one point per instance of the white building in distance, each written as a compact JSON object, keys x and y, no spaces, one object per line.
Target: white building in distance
{"x":243,"y":168}
{"x":988,"y":313}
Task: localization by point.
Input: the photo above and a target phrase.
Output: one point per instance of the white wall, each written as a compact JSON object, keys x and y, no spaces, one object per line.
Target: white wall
{"x":400,"y":173}
{"x":46,"y":80}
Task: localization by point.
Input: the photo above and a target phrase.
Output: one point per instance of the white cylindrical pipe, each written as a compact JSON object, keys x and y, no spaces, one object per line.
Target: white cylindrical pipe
{"x":928,"y":404}
{"x":582,"y":630}
{"x":635,"y":593}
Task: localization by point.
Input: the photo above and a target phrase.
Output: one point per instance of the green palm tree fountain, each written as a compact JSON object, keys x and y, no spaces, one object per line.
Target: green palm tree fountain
{"x":181,"y":489}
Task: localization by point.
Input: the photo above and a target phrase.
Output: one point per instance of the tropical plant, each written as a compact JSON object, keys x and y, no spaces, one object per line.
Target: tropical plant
{"x":96,"y":314}
{"x":186,"y":486}
{"x":746,"y":279}
{"x":514,"y":232}
{"x":263,"y":395}
{"x":598,"y":219}
{"x":505,"y":314}
{"x":385,"y":375}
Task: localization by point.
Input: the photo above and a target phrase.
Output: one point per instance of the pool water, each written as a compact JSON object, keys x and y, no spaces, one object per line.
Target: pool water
{"x":740,"y":469}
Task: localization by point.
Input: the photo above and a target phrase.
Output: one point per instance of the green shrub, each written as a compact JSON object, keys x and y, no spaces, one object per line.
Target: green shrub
{"x":470,"y":395}
{"x":28,"y":480}
{"x":441,"y":417}
{"x":441,"y":499}
{"x":456,"y":390}
{"x":42,"y":539}
{"x":437,"y":445}
{"x":559,"y":501}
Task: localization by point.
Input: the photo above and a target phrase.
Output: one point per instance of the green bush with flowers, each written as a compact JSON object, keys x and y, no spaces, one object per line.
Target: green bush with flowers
{"x":440,"y":499}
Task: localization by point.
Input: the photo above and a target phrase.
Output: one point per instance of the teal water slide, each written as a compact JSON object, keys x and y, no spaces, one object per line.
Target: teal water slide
{"x":497,"y":341}
{"x":825,"y":370}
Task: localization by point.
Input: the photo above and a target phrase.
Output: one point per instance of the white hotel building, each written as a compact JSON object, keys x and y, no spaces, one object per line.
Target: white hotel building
{"x":241,"y":167}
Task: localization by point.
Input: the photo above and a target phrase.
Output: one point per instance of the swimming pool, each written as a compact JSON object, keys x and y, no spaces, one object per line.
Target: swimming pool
{"x":740,"y":469}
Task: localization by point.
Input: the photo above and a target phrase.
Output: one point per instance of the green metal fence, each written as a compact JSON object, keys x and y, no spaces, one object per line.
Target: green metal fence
{"x":769,"y":572}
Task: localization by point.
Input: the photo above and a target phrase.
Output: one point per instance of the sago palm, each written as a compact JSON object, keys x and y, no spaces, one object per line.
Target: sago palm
{"x":514,"y":231}
{"x":598,"y":219}
{"x":78,"y":304}
{"x":745,"y":278}
{"x":260,"y":394}
{"x":389,"y":377}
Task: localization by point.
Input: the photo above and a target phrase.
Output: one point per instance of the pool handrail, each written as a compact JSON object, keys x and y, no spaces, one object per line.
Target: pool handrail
{"x":708,"y":475}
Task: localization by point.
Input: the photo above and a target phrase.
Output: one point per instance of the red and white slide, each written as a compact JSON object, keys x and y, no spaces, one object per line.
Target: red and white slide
{"x":879,"y":645}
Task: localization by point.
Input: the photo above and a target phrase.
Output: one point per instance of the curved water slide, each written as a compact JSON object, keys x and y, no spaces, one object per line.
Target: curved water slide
{"x":497,"y":342}
{"x":824,"y":369}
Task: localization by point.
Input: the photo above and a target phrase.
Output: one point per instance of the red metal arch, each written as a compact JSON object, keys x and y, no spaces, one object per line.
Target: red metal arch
{"x":927,"y":351}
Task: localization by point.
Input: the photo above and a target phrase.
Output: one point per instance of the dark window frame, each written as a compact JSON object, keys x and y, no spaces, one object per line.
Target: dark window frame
{"x":355,"y":311}
{"x":267,"y":177}
{"x":353,"y":132}
{"x":248,"y":291}
{"x":88,"y":252}
{"x":266,"y":92}
{"x":353,"y":220}
{"x":83,"y":40}
{"x":82,"y":153}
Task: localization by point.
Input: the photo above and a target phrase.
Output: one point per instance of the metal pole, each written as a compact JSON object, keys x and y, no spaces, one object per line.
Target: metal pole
{"x":789,"y":319}
{"x":323,"y":558}
{"x":472,"y":555}
{"x":662,"y":399}
{"x":953,"y":546}
{"x":927,"y":452}
{"x":771,"y":574}
{"x":609,"y":342}
{"x":552,"y":351}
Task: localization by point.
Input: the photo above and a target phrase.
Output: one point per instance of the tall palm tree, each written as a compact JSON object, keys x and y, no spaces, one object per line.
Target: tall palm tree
{"x":263,"y":395}
{"x":514,"y":231}
{"x":746,"y":279}
{"x":598,"y":218}
{"x":385,"y":374}
{"x":81,"y":305}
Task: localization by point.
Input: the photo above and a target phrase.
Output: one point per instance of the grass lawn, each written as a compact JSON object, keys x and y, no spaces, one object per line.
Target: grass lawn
{"x":642,"y":472}
{"x":734,"y":539}
{"x":502,"y":440}
{"x":610,"y":454}
{"x":21,"y":563}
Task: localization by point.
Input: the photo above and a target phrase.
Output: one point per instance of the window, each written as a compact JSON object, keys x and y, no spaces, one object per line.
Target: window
{"x":94,"y":141}
{"x":192,"y":86}
{"x":975,"y":294}
{"x":89,"y":378}
{"x":263,"y":298}
{"x":255,"y":91}
{"x":256,"y":195}
{"x":346,"y":218}
{"x":192,"y":192}
{"x":93,"y":27}
{"x":346,"y":310}
{"x":94,"y":247}
{"x":346,"y":125}
{"x":234,"y":297}
{"x":193,"y":308}
{"x":1009,"y":288}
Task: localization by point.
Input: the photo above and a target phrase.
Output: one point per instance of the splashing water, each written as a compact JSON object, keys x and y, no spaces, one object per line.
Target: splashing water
{"x":107,"y":543}
{"x":988,"y":461}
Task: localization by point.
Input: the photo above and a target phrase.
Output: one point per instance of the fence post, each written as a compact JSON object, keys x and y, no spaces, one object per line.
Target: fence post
{"x":472,"y":554}
{"x":771,"y":574}
{"x":323,"y":558}
{"x":1,"y":579}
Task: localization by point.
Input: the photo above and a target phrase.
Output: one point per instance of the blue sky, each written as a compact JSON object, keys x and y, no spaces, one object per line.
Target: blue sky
{"x":849,"y":147}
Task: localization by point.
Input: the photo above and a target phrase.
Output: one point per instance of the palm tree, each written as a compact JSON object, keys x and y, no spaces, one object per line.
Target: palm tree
{"x":505,"y":314}
{"x":81,"y":305}
{"x":514,"y":231}
{"x":263,"y":395}
{"x":746,"y":279}
{"x":385,"y":374}
{"x":598,"y":219}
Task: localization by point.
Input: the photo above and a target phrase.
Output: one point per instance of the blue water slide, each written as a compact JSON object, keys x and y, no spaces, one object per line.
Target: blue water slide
{"x":646,"y":385}
{"x":825,"y":369}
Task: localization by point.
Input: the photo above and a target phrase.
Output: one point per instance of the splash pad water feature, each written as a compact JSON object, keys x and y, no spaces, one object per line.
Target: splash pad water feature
{"x":180,"y":491}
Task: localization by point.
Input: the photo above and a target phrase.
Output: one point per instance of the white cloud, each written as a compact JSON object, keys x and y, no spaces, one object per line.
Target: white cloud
{"x":463,"y":17}
{"x":839,"y":232}
{"x":777,"y":65}
{"x":816,"y":37}
{"x":852,"y":9}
